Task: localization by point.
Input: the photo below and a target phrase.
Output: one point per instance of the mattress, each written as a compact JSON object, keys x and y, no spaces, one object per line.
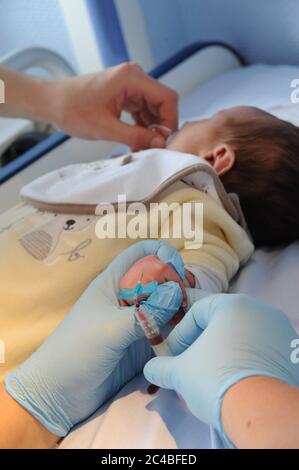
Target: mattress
{"x":134,"y":419}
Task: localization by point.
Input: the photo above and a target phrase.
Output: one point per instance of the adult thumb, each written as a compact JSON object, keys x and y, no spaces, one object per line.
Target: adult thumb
{"x":161,"y":371}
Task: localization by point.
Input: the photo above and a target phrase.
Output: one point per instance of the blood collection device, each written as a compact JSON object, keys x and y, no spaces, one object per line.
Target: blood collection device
{"x":146,"y":320}
{"x":153,"y":333}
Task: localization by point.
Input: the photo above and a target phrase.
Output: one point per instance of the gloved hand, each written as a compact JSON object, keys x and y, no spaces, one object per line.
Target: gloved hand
{"x":95,"y":350}
{"x":149,"y":269}
{"x":221,"y":340}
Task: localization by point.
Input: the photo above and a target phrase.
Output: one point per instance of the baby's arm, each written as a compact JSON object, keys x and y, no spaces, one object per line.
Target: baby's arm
{"x":225,"y":247}
{"x":204,"y":279}
{"x":147,"y":269}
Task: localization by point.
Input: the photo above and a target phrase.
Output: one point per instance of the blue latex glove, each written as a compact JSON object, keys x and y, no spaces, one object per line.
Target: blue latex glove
{"x":95,"y":350}
{"x":223,"y":339}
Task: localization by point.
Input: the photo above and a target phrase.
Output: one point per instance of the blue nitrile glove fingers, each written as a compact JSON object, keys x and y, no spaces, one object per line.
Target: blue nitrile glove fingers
{"x":164,"y":302}
{"x":109,"y":280}
{"x":223,"y":339}
{"x":95,"y":350}
{"x":167,"y":254}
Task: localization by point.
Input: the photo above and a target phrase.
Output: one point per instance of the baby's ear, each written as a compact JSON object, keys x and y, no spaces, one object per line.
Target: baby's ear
{"x":222,"y":158}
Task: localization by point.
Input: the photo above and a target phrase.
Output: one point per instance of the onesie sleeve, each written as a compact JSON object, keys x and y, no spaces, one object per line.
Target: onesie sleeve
{"x":225,"y":247}
{"x":204,"y":279}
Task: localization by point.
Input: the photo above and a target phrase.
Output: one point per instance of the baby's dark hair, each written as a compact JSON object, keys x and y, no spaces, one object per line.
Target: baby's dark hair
{"x":265,"y":176}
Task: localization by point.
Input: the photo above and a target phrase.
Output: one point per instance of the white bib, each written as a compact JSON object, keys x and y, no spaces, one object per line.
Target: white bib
{"x":140,"y":176}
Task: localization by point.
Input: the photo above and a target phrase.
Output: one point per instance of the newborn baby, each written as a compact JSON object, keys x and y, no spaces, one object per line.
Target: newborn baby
{"x":47,"y":261}
{"x":256,"y":156}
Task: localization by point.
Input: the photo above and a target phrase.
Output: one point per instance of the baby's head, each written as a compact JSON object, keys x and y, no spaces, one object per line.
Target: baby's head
{"x":256,"y":156}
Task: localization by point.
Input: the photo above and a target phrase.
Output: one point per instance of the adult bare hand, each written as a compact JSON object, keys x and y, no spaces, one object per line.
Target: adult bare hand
{"x":90,"y":106}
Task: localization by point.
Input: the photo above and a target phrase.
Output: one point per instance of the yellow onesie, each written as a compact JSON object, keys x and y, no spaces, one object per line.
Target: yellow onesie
{"x":47,"y":261}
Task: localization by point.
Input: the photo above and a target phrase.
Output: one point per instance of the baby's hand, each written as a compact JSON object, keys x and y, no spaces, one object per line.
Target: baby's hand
{"x":152,"y":269}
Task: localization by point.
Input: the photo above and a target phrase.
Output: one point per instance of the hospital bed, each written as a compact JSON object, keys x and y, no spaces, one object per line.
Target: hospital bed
{"x":134,"y":419}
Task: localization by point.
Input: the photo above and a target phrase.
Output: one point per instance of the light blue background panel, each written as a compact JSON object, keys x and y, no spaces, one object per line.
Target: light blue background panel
{"x":261,"y":30}
{"x":27,"y":23}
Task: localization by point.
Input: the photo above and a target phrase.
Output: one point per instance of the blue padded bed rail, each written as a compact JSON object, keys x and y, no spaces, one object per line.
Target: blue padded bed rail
{"x":41,"y":149}
{"x":38,"y":151}
{"x":187,"y":52}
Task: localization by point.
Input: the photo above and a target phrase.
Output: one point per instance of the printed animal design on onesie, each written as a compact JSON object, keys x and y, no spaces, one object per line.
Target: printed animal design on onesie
{"x":42,"y":241}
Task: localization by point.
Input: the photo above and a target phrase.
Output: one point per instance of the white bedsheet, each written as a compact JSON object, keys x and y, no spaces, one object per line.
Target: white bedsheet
{"x":134,"y":419}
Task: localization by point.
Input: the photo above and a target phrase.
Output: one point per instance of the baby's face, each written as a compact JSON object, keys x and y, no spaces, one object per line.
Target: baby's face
{"x":200,"y":137}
